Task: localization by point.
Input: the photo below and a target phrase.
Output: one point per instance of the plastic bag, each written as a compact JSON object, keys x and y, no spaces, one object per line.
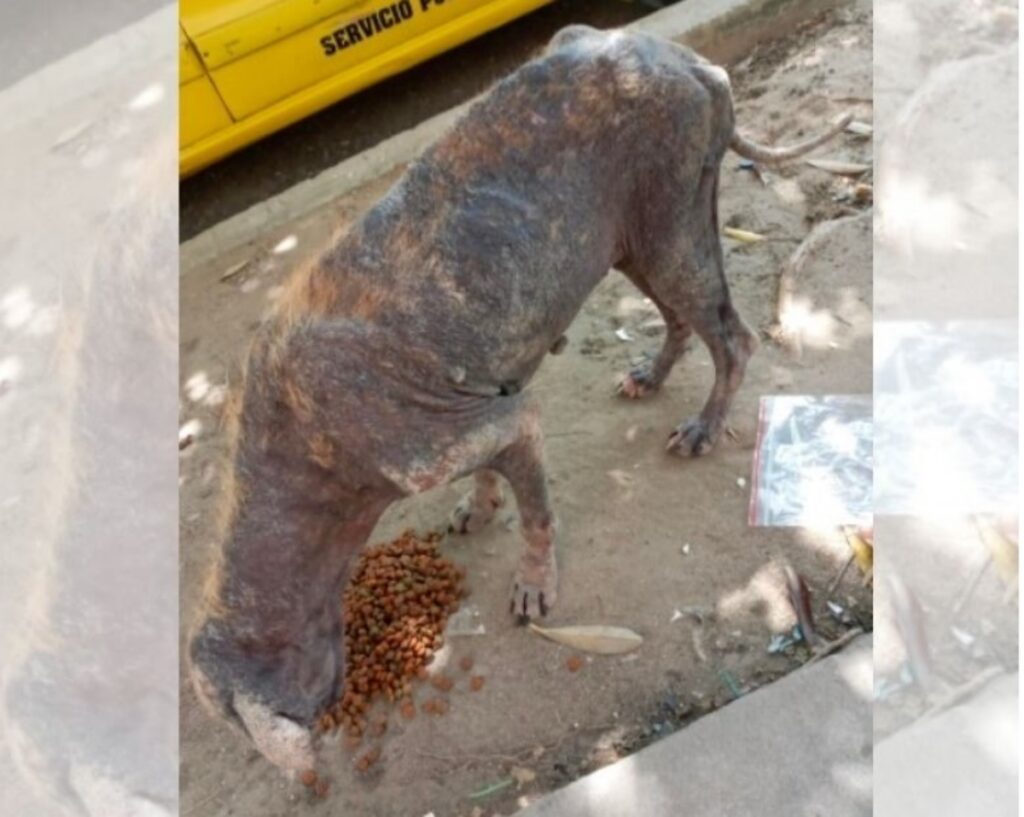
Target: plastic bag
{"x":813,"y":462}
{"x":946,"y":417}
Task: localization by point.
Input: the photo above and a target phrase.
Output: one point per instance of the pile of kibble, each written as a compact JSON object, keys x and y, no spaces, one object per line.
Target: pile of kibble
{"x":395,"y":610}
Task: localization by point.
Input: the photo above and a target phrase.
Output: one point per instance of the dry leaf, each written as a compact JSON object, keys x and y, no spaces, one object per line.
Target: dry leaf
{"x":742,"y":235}
{"x":234,"y":269}
{"x":800,"y":599}
{"x":840,"y":168}
{"x":593,"y":638}
{"x":863,"y":550}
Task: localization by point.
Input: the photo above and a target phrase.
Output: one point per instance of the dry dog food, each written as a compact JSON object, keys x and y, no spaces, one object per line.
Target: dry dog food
{"x":395,"y":610}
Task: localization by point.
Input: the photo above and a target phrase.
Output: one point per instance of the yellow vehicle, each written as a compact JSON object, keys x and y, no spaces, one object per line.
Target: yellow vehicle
{"x":250,"y":67}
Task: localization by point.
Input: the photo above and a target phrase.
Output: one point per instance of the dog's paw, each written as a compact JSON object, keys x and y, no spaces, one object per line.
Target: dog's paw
{"x":693,"y":438}
{"x":638,"y":383}
{"x":469,"y":515}
{"x":534,"y":590}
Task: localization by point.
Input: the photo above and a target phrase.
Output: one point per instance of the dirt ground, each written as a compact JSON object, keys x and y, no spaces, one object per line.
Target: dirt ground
{"x":627,"y":511}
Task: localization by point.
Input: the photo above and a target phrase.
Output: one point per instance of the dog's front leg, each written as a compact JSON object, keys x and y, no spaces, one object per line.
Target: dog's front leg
{"x":535,"y":586}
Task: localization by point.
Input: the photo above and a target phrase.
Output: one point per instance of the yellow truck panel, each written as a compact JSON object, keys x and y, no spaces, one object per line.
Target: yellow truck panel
{"x":207,"y":115}
{"x":203,"y":112}
{"x":273,"y":62}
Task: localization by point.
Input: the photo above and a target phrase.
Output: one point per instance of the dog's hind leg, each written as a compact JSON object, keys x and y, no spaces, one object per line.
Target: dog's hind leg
{"x":647,"y":377}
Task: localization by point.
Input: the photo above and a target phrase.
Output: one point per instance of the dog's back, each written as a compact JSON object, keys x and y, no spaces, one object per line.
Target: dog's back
{"x":486,"y":248}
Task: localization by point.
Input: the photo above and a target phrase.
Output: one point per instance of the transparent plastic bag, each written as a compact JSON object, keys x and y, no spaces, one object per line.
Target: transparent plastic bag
{"x":813,"y":462}
{"x":947,"y":417}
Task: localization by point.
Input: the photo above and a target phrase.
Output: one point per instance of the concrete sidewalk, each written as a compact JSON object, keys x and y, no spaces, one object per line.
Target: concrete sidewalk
{"x":800,"y":746}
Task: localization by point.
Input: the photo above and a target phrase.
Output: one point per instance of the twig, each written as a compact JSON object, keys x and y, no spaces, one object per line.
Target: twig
{"x":971,"y":585}
{"x":839,"y":576}
{"x":834,"y":646}
{"x":962,"y":692}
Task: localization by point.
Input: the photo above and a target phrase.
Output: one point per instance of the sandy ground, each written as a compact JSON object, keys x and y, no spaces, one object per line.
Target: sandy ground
{"x":626,"y":509}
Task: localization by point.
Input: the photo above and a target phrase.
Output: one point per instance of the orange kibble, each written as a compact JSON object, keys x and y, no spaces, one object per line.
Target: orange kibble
{"x":574,"y":663}
{"x":395,"y":610}
{"x":308,"y":778}
{"x":476,"y":683}
{"x":408,"y":710}
{"x":466,"y":663}
{"x":442,"y":682}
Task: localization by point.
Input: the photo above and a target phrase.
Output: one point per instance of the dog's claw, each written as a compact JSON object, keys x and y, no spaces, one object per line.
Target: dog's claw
{"x":533,"y":600}
{"x":469,"y":516}
{"x":691,"y":439}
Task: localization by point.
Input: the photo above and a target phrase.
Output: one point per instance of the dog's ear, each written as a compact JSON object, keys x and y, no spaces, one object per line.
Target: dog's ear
{"x":280,"y":740}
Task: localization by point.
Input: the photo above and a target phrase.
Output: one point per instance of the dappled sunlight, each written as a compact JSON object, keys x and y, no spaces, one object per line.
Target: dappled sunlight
{"x":17,"y":307}
{"x":199,"y":389}
{"x":286,"y":245}
{"x":151,"y":95}
{"x":814,"y":58}
{"x":814,"y":327}
{"x":995,"y":736}
{"x":913,"y":213}
{"x":822,"y":505}
{"x":765,"y":591}
{"x":858,"y":672}
{"x":10,"y":369}
{"x":619,"y":781}
{"x":189,"y":431}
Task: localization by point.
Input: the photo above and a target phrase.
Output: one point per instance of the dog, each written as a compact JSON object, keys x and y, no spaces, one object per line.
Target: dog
{"x":398,"y":361}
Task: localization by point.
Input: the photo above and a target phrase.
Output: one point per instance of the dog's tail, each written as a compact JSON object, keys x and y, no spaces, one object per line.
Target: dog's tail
{"x":766,"y":155}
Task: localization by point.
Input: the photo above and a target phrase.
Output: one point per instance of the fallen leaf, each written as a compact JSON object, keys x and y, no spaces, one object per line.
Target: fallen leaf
{"x":840,"y":168}
{"x":234,"y":269}
{"x":863,"y":552}
{"x":800,"y":599}
{"x":742,"y":235}
{"x":860,"y":128}
{"x":593,"y":638}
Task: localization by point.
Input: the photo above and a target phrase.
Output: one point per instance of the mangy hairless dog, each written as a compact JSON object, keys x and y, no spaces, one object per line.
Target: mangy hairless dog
{"x":397,"y":362}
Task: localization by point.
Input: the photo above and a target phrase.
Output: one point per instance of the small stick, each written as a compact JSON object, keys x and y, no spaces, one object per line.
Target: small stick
{"x":972,"y":584}
{"x":839,"y":577}
{"x":834,"y":646}
{"x":960,"y":693}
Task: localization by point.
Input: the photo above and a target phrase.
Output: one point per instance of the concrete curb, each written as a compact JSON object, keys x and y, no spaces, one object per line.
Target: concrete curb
{"x":721,"y":30}
{"x":798,"y":746}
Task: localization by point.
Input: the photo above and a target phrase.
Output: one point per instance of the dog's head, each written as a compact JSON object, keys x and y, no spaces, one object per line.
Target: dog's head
{"x":273,"y":691}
